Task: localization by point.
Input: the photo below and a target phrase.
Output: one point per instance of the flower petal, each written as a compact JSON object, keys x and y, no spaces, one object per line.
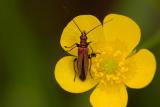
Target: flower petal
{"x":71,"y":33}
{"x":121,"y":32}
{"x":142,"y":67}
{"x":111,"y":95}
{"x":64,"y":74}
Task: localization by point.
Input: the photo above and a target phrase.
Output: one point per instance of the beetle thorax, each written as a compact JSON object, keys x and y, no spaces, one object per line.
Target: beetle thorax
{"x":83,"y":38}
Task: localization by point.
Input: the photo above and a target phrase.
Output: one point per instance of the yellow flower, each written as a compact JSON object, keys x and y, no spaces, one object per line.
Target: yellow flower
{"x":115,"y":68}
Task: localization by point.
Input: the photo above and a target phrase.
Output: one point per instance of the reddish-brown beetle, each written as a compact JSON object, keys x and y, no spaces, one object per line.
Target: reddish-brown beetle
{"x":84,"y":61}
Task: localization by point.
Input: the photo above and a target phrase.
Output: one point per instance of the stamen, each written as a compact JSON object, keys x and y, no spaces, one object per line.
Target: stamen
{"x":110,"y":66}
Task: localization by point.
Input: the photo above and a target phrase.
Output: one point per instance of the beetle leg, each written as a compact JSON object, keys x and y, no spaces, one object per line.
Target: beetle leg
{"x":89,"y":43}
{"x":90,"y":67}
{"x":76,"y":44}
{"x":90,"y":47}
{"x":93,"y":54}
{"x":72,"y":46}
{"x":90,"y":56}
{"x":74,"y":64}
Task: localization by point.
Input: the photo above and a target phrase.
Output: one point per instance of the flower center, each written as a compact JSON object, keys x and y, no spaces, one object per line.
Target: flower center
{"x":109,"y":65}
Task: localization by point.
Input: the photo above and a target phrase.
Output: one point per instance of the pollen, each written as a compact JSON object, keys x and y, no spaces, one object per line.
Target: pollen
{"x":110,"y":66}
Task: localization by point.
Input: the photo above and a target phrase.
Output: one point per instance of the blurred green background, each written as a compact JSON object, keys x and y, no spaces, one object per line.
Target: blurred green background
{"x":30,"y":31}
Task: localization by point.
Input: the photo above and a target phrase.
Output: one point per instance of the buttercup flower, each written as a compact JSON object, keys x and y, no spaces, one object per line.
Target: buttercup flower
{"x":115,"y":68}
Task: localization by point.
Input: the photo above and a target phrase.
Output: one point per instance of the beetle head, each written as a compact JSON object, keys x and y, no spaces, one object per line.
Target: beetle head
{"x":83,"y":36}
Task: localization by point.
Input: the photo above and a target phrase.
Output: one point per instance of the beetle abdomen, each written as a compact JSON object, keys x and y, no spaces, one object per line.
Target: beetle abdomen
{"x":82,"y":75}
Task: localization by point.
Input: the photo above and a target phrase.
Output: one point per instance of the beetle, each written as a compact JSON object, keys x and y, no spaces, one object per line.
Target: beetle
{"x":82,"y":64}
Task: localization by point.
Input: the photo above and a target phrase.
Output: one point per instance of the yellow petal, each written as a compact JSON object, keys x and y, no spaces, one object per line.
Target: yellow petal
{"x":142,"y":67}
{"x":111,"y":95}
{"x":86,"y":23}
{"x":121,"y":32}
{"x":64,"y":74}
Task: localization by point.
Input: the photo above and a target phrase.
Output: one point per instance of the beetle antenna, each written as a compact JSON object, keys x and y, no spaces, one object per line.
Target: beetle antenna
{"x":98,"y":26}
{"x":93,"y":29}
{"x":77,"y":26}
